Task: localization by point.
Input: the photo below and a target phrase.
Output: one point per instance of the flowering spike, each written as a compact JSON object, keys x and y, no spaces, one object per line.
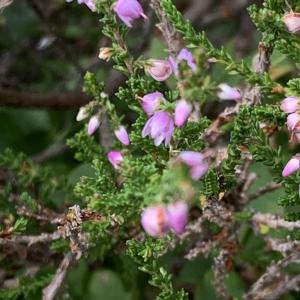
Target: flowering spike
{"x":178,"y":216}
{"x":290,"y":105}
{"x":128,"y":11}
{"x":159,"y":69}
{"x":182,"y":112}
{"x":122,"y":135}
{"x":291,"y":167}
{"x":292,"y":22}
{"x":160,"y":127}
{"x":155,"y":220}
{"x":93,"y":125}
{"x":115,"y":158}
{"x":228,"y":93}
{"x":151,"y":102}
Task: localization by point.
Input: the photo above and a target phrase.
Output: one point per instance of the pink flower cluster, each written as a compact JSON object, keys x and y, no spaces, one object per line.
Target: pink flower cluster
{"x":160,"y":125}
{"x":291,"y":106}
{"x":157,"y":220}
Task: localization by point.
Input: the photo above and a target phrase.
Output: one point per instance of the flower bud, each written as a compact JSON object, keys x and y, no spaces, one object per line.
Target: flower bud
{"x":155,"y":220}
{"x":93,"y":125}
{"x":159,"y":69}
{"x":82,"y":114}
{"x":122,"y":135}
{"x":293,"y":121}
{"x":182,"y":112}
{"x":115,"y":158}
{"x":228,"y":93}
{"x":291,"y":167}
{"x":178,"y":216}
{"x":151,"y":102}
{"x":105,"y":53}
{"x":290,"y":105}
{"x":292,"y":22}
{"x":186,"y":55}
{"x":128,"y":11}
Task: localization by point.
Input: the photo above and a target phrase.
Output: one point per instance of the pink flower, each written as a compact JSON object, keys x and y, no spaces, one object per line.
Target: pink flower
{"x":160,"y":127}
{"x":122,"y":135}
{"x":115,"y":158}
{"x":196,"y":161}
{"x":155,"y":220}
{"x":290,"y":105}
{"x":93,"y":125}
{"x":89,"y":3}
{"x":159,"y":69}
{"x":185,"y":55}
{"x":178,"y":216}
{"x":293,"y":121}
{"x":151,"y":102}
{"x":292,"y":22}
{"x":291,"y":167}
{"x":228,"y":93}
{"x":182,"y":112}
{"x":128,"y":11}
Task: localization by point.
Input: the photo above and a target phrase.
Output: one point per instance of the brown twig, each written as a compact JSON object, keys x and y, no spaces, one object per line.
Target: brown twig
{"x":269,"y":187}
{"x":273,"y":221}
{"x":52,"y":289}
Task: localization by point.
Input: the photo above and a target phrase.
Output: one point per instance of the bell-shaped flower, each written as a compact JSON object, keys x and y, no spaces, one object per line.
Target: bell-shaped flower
{"x":122,"y":135}
{"x":178,"y":216}
{"x":154,"y":220}
{"x":292,"y":22}
{"x":290,"y":105}
{"x":228,"y":93}
{"x":182,"y":112}
{"x":159,"y":69}
{"x":115,"y":158}
{"x":128,"y":11}
{"x":196,"y":162}
{"x":89,"y":3}
{"x":293,"y":121}
{"x":93,"y":125}
{"x":291,"y":167}
{"x":183,"y":55}
{"x":160,"y":127}
{"x":150,"y":102}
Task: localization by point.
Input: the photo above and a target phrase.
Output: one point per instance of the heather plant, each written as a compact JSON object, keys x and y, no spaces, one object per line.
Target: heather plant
{"x":169,"y":206}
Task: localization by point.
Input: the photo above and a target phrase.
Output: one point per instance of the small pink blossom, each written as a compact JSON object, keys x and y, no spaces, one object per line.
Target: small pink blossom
{"x":89,"y":3}
{"x":151,"y":102}
{"x":159,"y":69}
{"x":93,"y":125}
{"x":196,"y":161}
{"x":182,"y":112}
{"x":293,"y":121}
{"x":178,"y":216}
{"x":160,"y":127}
{"x":292,"y":22}
{"x":128,"y":11}
{"x":228,"y":93}
{"x":291,"y":167}
{"x":154,"y":220}
{"x":115,"y":158}
{"x":184,"y":55}
{"x":290,"y":105}
{"x":122,"y":135}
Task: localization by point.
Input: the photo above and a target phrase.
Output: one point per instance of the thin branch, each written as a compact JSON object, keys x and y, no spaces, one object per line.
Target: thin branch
{"x":57,"y":100}
{"x":52,"y":289}
{"x":273,"y":221}
{"x":269,"y":187}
